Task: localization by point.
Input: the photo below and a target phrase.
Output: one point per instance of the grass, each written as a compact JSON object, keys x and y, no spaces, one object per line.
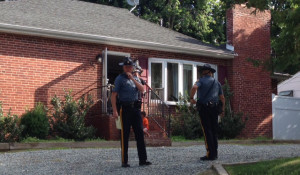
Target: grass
{"x":289,"y":166}
{"x":182,"y":139}
{"x":261,"y":138}
{"x":55,"y":140}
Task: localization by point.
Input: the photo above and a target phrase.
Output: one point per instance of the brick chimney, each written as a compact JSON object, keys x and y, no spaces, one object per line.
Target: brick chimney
{"x":249,"y":34}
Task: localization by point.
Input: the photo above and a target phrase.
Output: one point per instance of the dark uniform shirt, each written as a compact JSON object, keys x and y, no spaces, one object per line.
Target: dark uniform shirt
{"x":140,"y":95}
{"x":204,"y":85}
{"x":126,"y":89}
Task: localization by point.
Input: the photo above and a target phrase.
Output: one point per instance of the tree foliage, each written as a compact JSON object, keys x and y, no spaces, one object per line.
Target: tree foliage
{"x":186,"y":123}
{"x":10,"y":128}
{"x":232,"y":123}
{"x":201,"y":19}
{"x":69,"y":117}
{"x":36,"y":122}
{"x":286,"y":36}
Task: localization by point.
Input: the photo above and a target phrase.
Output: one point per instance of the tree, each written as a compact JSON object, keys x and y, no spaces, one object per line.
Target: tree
{"x":286,"y":36}
{"x":195,"y":18}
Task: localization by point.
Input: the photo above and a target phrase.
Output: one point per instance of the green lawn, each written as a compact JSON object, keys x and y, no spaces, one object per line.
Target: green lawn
{"x":182,"y":139}
{"x":288,"y":166}
{"x":55,"y":140}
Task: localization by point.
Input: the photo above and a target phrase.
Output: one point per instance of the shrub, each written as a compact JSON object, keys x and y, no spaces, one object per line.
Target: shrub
{"x":187,"y":122}
{"x":1,"y":109}
{"x":69,"y":117}
{"x":232,"y":123}
{"x":10,"y":128}
{"x":36,"y":123}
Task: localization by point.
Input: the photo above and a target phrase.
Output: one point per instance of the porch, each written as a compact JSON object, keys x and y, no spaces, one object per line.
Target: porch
{"x":158,"y":114}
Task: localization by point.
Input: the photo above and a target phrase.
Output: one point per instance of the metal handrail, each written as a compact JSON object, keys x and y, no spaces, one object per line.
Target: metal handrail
{"x":108,"y":91}
{"x":157,"y":96}
{"x":159,"y":108}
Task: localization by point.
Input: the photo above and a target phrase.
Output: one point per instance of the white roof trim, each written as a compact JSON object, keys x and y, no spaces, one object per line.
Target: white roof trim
{"x":288,"y":80}
{"x":57,"y":34}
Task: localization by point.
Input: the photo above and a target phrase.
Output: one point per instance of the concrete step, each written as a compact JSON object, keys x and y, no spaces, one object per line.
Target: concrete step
{"x":158,"y":142}
{"x":153,"y":135}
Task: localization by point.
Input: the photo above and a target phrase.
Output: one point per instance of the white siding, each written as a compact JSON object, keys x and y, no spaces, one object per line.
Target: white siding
{"x":291,"y":84}
{"x":286,"y":118}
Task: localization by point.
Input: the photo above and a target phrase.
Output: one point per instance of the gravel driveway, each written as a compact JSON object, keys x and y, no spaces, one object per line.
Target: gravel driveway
{"x":166,"y":160}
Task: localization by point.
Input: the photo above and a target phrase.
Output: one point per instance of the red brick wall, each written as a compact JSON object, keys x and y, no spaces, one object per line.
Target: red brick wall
{"x":250,"y":36}
{"x":34,"y":69}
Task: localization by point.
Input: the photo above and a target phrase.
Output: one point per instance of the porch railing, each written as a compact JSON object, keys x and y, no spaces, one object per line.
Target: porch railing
{"x":157,"y":108}
{"x":104,"y":98}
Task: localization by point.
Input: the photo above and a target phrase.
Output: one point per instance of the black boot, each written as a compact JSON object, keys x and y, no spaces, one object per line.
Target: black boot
{"x":125,"y":165}
{"x":205,"y":158}
{"x":145,"y":163}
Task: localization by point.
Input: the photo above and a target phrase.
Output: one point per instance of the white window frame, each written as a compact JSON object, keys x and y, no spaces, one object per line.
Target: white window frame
{"x":180,"y":73}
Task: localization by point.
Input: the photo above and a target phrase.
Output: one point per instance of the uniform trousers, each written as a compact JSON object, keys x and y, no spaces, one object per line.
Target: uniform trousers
{"x":131,"y":116}
{"x":209,"y":122}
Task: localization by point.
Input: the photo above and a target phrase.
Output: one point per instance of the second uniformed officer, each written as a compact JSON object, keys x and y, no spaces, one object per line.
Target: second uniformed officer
{"x":209,"y":92}
{"x":127,"y":89}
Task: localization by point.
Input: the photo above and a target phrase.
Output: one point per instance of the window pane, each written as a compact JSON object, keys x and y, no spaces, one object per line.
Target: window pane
{"x":187,"y":79}
{"x":172,"y":81}
{"x":156,"y":75}
{"x":156,"y":80}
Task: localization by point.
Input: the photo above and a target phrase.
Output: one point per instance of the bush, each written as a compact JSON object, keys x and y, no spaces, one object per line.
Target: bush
{"x":187,"y":122}
{"x":69,"y":117}
{"x":36,"y":123}
{"x":232,"y":123}
{"x":231,"y":126}
{"x":10,"y":128}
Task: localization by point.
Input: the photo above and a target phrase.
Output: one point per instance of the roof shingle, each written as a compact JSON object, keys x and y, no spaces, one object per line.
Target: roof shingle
{"x":93,"y":19}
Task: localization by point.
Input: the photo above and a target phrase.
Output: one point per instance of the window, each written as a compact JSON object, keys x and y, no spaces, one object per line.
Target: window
{"x":187,"y":79}
{"x":172,"y":87}
{"x":156,"y":80}
{"x":286,"y":93}
{"x":171,"y":78}
{"x":198,"y":72}
{"x":156,"y":74}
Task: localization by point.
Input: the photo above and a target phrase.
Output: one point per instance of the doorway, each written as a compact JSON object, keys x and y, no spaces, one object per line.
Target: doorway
{"x":113,"y":67}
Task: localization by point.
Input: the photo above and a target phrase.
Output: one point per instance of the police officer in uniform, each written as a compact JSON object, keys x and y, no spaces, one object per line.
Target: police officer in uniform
{"x":209,"y":92}
{"x":137,"y":71}
{"x":127,"y":89}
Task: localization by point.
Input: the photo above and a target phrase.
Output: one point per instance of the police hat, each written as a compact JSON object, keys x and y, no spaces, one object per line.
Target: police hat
{"x":207,"y":67}
{"x":127,"y":62}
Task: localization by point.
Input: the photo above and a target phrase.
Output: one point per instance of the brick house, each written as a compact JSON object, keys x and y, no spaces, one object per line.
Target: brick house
{"x":48,"y":46}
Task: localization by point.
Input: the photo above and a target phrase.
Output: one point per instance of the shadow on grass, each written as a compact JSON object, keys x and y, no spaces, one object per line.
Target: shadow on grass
{"x":289,"y":166}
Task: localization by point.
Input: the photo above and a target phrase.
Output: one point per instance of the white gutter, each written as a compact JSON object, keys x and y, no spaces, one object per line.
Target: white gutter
{"x":57,"y":34}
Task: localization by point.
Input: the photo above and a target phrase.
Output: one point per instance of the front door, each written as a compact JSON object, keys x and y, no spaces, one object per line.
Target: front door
{"x":111,"y":69}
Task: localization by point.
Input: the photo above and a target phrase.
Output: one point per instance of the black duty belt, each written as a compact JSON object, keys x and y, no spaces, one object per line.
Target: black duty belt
{"x":208,"y":104}
{"x":130,"y":104}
